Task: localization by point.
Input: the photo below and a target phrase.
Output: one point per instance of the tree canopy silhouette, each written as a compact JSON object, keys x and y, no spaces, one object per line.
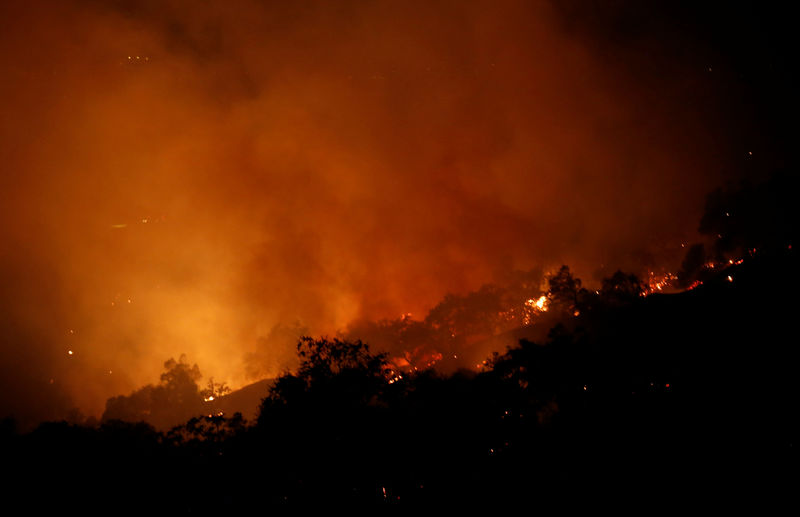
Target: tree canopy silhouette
{"x":565,"y":291}
{"x":175,"y":400}
{"x":621,"y":288}
{"x":333,"y":374}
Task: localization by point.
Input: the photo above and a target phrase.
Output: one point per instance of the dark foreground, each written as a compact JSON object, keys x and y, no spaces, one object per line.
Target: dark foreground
{"x":668,"y":401}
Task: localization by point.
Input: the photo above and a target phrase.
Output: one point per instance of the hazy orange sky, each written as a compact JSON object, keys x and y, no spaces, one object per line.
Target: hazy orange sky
{"x":179,"y":176}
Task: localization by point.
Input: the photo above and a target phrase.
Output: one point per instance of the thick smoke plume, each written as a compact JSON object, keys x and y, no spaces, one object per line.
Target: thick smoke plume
{"x":182,"y":176}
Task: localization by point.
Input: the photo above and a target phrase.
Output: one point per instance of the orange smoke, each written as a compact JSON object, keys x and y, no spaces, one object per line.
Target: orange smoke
{"x":180,"y":178}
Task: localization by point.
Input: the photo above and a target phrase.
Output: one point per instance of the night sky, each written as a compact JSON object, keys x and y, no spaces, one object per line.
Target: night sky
{"x":180,"y":176}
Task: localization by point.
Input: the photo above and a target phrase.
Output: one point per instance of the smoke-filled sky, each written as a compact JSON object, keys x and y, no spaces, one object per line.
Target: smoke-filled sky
{"x":178,"y":176}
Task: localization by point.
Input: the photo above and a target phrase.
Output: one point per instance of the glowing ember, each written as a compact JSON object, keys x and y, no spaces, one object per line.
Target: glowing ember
{"x":657,"y":283}
{"x":540,"y":303}
{"x":526,"y":313}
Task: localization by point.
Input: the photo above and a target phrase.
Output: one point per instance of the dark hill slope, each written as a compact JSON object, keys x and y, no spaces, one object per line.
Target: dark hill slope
{"x":689,"y":390}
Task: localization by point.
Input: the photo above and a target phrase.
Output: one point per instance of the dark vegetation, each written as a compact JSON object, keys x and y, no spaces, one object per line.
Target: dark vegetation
{"x":664,"y":399}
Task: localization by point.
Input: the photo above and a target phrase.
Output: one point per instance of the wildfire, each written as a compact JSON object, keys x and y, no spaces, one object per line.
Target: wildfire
{"x":532,"y":307}
{"x":415,"y":360}
{"x":721,"y":266}
{"x":657,"y":283}
{"x":539,"y":303}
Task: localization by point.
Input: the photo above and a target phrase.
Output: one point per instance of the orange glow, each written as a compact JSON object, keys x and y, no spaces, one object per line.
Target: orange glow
{"x":539,"y":303}
{"x":656,"y":283}
{"x":186,"y":180}
{"x":694,"y":285}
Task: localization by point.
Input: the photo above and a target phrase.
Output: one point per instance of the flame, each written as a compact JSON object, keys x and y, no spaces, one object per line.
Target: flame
{"x":540,"y":303}
{"x":657,"y":283}
{"x":532,"y":307}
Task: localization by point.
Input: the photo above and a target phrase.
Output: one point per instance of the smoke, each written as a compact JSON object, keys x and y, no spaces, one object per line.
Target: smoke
{"x":182,"y":176}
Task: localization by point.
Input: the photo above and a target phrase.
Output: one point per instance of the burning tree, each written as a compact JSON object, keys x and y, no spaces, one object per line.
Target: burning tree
{"x":214,"y":390}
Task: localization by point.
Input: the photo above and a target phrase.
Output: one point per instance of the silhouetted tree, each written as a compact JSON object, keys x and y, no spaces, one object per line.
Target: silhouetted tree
{"x":214,"y":390}
{"x":180,"y":381}
{"x":621,"y":288}
{"x":332,"y":373}
{"x":176,"y":399}
{"x":408,"y":340}
{"x":208,"y":428}
{"x":475,"y":313}
{"x":565,"y":291}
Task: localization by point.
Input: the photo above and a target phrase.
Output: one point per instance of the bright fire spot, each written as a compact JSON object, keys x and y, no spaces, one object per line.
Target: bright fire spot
{"x":69,"y":352}
{"x":540,"y":303}
{"x":532,"y":307}
{"x":730,"y":278}
{"x":658,"y":282}
{"x":209,"y":399}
